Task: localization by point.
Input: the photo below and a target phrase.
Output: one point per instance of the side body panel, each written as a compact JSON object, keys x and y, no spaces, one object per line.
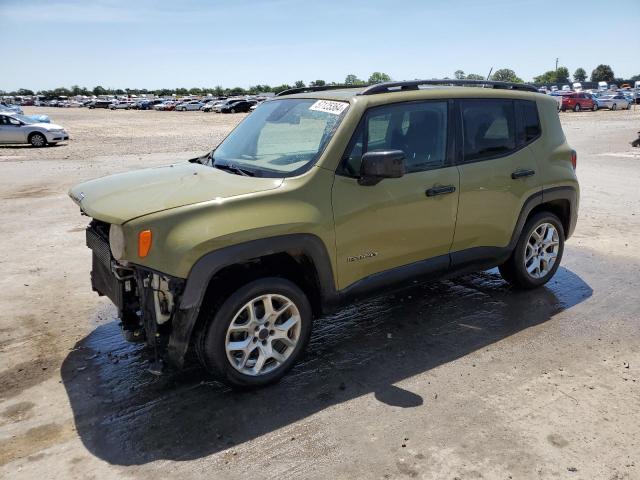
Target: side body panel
{"x":393,"y":223}
{"x":491,"y":201}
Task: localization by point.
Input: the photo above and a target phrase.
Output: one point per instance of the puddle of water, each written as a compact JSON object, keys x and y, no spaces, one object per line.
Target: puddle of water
{"x":126,"y":416}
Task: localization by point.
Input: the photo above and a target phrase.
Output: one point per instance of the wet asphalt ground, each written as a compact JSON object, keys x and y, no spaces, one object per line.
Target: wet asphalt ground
{"x":463,"y":378}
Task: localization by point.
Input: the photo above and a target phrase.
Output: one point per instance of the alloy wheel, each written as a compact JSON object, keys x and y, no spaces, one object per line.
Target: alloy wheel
{"x":541,"y":250}
{"x":263,"y":334}
{"x":37,"y":140}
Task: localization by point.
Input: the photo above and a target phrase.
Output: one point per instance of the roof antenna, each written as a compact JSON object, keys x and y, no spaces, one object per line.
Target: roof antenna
{"x":490,"y":70}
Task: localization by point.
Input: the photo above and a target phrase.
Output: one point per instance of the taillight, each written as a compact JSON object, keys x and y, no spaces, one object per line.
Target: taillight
{"x":574,"y":159}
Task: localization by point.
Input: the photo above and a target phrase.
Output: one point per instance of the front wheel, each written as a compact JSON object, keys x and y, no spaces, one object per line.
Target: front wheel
{"x":537,"y":254}
{"x":614,"y":107}
{"x":37,"y":140}
{"x":257,"y":334}
{"x":576,"y":108}
{"x":595,"y":107}
{"x":233,"y":110}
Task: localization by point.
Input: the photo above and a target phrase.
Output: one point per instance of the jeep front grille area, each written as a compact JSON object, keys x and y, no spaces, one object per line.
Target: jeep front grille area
{"x":98,"y":242}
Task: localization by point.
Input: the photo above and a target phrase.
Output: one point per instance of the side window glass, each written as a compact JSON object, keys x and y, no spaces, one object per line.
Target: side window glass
{"x":528,"y":121}
{"x":13,"y":121}
{"x":418,"y":129}
{"x":488,"y":128}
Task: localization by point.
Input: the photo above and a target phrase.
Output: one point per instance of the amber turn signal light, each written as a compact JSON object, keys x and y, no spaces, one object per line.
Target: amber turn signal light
{"x":144,"y":243}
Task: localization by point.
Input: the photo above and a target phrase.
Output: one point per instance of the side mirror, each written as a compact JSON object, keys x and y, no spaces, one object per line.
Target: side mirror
{"x":380,"y":164}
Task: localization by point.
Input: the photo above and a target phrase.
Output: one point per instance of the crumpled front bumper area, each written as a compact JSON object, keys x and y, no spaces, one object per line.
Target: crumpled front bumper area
{"x":147,"y":301}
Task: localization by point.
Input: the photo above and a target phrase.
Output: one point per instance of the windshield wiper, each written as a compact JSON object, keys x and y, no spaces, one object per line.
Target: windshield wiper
{"x":234,"y":169}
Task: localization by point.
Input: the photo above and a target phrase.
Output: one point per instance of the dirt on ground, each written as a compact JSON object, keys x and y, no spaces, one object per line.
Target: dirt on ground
{"x":458,"y":379}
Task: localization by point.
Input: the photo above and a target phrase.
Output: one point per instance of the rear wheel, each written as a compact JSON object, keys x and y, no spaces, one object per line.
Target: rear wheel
{"x":257,"y":334}
{"x":538,"y":252}
{"x":595,"y":107}
{"x":37,"y":140}
{"x":233,"y":110}
{"x":629,"y":106}
{"x":614,"y":107}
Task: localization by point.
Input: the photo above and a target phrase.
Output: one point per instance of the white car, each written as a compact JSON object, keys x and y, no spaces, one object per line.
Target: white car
{"x":613,"y":101}
{"x":120,"y":106}
{"x":192,"y":105}
{"x":16,"y":128}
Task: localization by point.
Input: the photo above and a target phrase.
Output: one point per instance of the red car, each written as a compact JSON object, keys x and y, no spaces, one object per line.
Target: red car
{"x":577,"y":101}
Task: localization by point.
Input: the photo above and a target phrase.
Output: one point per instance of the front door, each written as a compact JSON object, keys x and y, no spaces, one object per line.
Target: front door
{"x":11,"y":130}
{"x":398,"y":221}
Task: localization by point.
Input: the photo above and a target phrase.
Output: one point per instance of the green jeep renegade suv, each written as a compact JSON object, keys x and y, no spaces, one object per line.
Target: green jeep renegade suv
{"x":323,"y":196}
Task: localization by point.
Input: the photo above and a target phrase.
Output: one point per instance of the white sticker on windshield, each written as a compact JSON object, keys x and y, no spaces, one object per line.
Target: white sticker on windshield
{"x":329,"y":106}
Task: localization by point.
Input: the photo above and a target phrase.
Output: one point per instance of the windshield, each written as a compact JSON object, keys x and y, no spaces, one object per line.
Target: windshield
{"x":24,"y":119}
{"x":280,"y":138}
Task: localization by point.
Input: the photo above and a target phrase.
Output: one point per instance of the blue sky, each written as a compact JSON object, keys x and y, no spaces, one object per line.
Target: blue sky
{"x":197,"y":43}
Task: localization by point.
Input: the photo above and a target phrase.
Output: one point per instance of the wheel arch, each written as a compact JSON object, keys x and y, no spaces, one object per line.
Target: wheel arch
{"x":561,"y":201}
{"x":300,"y":258}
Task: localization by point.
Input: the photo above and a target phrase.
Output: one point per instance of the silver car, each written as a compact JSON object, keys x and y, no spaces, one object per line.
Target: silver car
{"x":613,"y":101}
{"x":16,"y":128}
{"x":192,"y":105}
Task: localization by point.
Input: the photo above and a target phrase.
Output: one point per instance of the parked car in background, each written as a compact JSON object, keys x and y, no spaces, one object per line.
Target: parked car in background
{"x":147,"y":104}
{"x":189,"y":106}
{"x":577,"y":101}
{"x":121,"y":105}
{"x":613,"y":101}
{"x":16,"y":128}
{"x":8,"y":107}
{"x":237,"y":106}
{"x":99,"y":104}
{"x":212,"y":107}
{"x":166,"y":105}
{"x":557,"y":95}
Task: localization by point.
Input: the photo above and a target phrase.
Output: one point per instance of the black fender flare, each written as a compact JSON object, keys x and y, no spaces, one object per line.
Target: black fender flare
{"x":543,"y":196}
{"x":210,"y":264}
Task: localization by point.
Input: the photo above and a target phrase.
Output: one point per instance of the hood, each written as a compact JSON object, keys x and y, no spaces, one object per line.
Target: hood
{"x":48,"y":126}
{"x":123,"y":197}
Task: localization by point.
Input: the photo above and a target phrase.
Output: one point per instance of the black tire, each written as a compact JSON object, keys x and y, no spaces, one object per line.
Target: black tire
{"x":233,"y":110}
{"x":37,"y":140}
{"x":614,"y":107}
{"x":210,"y":343}
{"x":576,"y":108}
{"x":629,"y":106}
{"x":595,"y":107}
{"x":514,"y":271}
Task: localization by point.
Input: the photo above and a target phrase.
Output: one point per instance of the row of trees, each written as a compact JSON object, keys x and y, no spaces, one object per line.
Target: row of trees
{"x":558,"y":76}
{"x":375,"y":77}
{"x":602,"y":73}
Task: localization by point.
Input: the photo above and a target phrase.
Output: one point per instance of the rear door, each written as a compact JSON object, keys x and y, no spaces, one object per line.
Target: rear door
{"x":498,"y":172}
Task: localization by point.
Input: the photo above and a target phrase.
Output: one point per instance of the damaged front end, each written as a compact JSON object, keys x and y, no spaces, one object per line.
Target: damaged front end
{"x":147,"y":300}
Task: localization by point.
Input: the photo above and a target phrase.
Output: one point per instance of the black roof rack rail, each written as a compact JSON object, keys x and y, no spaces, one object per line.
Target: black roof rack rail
{"x":387,"y":87}
{"x":291,"y":91}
